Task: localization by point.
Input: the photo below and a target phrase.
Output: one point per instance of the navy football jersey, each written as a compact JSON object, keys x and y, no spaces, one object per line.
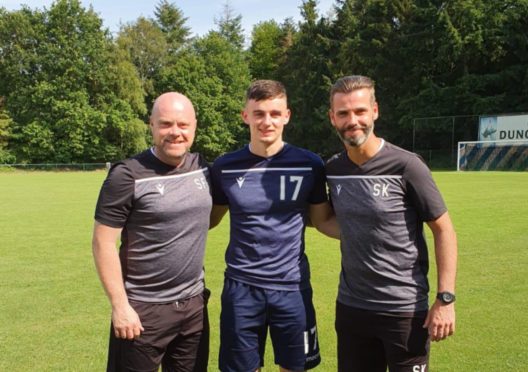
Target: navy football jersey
{"x":268,"y":200}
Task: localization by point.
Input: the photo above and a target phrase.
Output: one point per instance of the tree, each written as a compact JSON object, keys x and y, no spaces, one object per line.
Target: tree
{"x":172,"y":23}
{"x":153,"y":44}
{"x":214,"y":74}
{"x":5,"y":134}
{"x":230,"y":26}
{"x":229,"y":64}
{"x":192,"y":77}
{"x":147,"y":48}
{"x":306,"y":74}
{"x":59,"y":72}
{"x":434,"y":58}
{"x":478,"y":57}
{"x":266,"y":52}
{"x":288,"y":34}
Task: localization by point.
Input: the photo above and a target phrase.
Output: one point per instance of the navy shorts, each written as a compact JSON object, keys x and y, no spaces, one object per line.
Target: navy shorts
{"x":248,"y":311}
{"x":372,"y":341}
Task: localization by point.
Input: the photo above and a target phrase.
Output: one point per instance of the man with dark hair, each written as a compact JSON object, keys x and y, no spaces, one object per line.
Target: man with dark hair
{"x":270,"y":188}
{"x":382,"y":195}
{"x":159,"y":203}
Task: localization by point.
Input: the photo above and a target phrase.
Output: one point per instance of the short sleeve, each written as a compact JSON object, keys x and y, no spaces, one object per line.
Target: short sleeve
{"x":423,"y":190}
{"x":318,"y":194}
{"x":219,"y":197}
{"x":116,"y":197}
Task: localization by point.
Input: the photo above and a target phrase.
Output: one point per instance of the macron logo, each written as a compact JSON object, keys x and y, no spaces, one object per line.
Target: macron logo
{"x":160,"y":188}
{"x":240,"y":181}
{"x":338,"y":188}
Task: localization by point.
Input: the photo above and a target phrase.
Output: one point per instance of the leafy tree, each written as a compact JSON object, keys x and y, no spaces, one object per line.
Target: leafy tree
{"x":59,"y":70}
{"x":229,"y":65}
{"x":71,"y":93}
{"x":367,"y":38}
{"x":125,"y":82}
{"x":306,"y":74}
{"x":214,"y":74}
{"x":288,"y":34}
{"x":477,"y":60}
{"x":230,"y":26}
{"x":266,"y":51}
{"x":191,"y":76}
{"x":172,"y":23}
{"x":147,"y":48}
{"x":153,"y":44}
{"x":5,"y":133}
{"x":434,"y":58}
{"x":497,"y":72}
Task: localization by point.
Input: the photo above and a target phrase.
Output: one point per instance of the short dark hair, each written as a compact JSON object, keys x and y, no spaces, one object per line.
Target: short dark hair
{"x":265,"y":89}
{"x":348,"y":84}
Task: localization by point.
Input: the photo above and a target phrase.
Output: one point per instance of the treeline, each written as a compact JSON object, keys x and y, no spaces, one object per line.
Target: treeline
{"x":72,"y":92}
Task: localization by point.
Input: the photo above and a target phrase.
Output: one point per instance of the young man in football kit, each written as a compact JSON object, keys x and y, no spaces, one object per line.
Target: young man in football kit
{"x":158,"y":203}
{"x":382,"y":195}
{"x":270,"y":188}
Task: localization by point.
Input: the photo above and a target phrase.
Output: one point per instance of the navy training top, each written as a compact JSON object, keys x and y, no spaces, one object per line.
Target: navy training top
{"x":268,"y":200}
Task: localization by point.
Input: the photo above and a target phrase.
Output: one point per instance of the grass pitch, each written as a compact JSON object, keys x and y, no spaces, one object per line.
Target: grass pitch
{"x":54,"y":315}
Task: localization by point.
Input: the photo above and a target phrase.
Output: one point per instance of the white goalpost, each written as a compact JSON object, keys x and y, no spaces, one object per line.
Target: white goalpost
{"x":492,"y":155}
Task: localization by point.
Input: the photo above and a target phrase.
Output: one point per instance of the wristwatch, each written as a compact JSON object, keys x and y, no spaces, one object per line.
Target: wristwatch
{"x":446,"y":297}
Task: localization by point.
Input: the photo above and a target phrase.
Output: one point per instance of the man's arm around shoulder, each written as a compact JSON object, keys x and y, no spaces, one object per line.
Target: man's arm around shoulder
{"x":323,"y":218}
{"x":217,"y":213}
{"x":125,"y":320}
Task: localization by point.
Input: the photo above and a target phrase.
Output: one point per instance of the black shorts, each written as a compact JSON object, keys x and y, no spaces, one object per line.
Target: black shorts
{"x":176,"y":336}
{"x":372,"y":341}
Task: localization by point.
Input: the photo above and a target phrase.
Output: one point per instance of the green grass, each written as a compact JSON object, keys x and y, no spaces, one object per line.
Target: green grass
{"x":54,"y":315}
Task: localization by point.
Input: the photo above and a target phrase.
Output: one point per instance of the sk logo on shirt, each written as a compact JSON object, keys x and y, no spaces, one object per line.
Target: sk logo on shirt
{"x":240,"y":181}
{"x":201,"y":183}
{"x":338,"y":188}
{"x":160,"y":188}
{"x":381,"y":190}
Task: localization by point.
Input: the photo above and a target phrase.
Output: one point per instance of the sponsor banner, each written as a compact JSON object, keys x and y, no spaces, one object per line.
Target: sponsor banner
{"x":503,"y":128}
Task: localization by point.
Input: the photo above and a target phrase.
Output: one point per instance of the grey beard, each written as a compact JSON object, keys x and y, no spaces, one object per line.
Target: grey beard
{"x":358,"y":141}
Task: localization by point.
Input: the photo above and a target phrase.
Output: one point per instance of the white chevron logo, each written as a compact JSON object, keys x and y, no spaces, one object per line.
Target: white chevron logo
{"x":160,"y":188}
{"x":338,"y":187}
{"x":240,"y":181}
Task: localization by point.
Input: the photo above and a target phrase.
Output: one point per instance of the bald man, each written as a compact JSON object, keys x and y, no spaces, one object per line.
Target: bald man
{"x":158,"y":203}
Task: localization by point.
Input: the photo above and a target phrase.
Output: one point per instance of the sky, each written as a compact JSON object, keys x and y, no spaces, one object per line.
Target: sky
{"x":200,"y":13}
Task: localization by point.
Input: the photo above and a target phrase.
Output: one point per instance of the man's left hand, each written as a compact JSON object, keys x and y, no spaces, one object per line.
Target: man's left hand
{"x":440,"y":321}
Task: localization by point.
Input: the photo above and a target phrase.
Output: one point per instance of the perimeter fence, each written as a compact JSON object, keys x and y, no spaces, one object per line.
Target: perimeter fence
{"x":55,"y":167}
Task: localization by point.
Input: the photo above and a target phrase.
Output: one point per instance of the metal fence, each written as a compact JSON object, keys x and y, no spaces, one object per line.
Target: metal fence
{"x":55,"y":167}
{"x":436,"y":138}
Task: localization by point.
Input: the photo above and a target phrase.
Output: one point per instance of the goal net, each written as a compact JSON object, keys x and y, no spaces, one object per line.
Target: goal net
{"x":492,"y":155}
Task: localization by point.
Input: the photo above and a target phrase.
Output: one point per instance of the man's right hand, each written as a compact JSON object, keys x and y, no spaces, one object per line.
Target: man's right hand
{"x":124,"y":318}
{"x":126,"y":322}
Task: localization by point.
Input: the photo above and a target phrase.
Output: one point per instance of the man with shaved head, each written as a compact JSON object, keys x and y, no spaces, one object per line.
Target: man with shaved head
{"x":158,"y":203}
